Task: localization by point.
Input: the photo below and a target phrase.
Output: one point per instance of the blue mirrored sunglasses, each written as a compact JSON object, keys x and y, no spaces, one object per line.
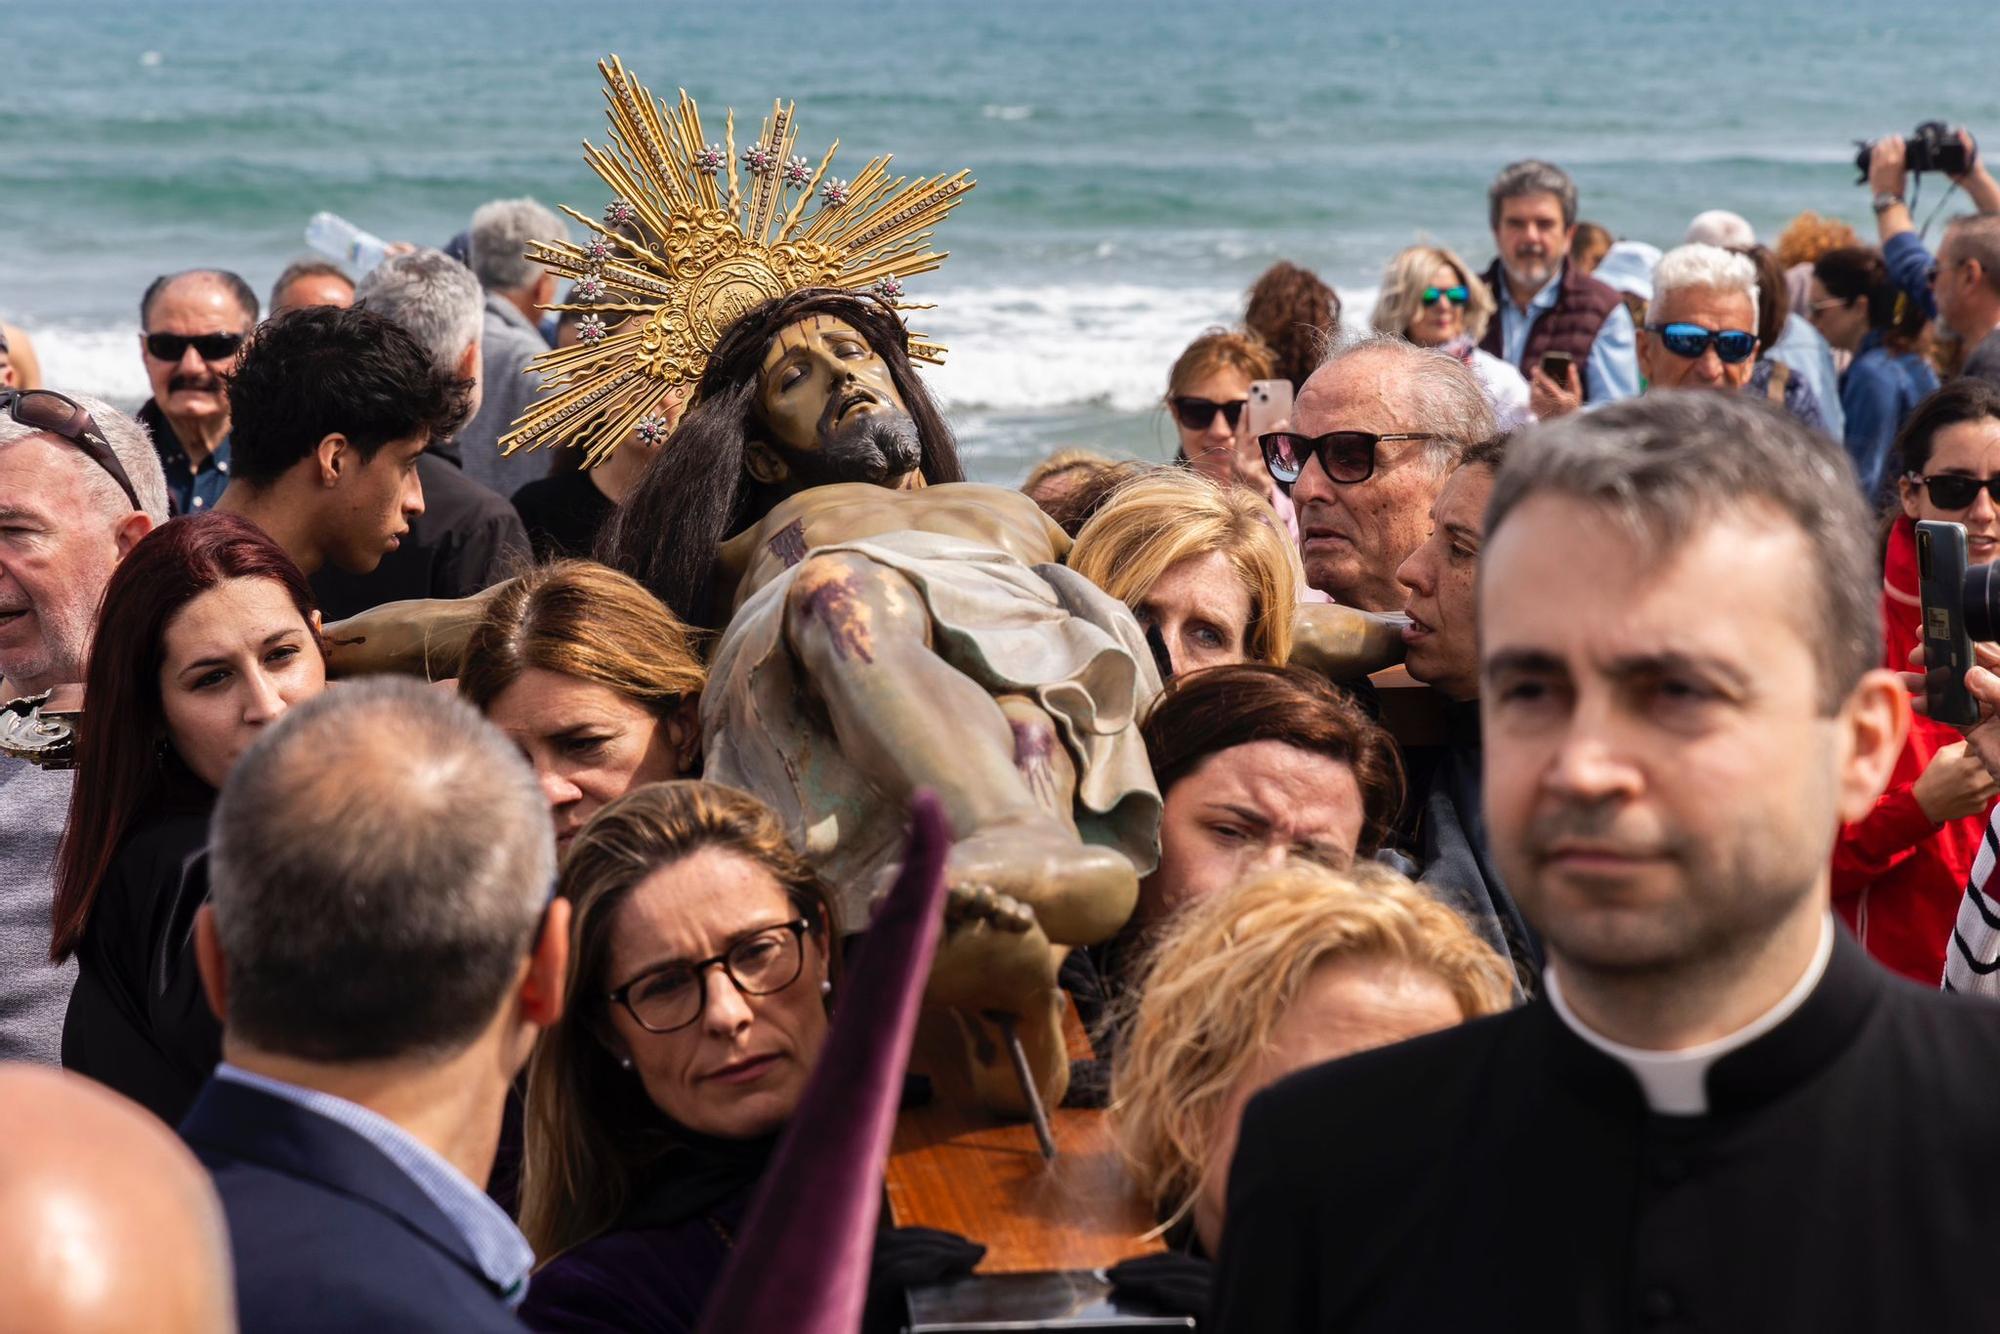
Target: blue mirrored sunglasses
{"x":1691,"y":340}
{"x":1458,"y":296}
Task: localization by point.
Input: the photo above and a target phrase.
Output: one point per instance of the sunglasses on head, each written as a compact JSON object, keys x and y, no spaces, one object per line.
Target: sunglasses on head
{"x":1458,"y":296}
{"x":1345,"y":456}
{"x":210,"y":346}
{"x":1955,"y":491}
{"x":58,"y":414}
{"x":1196,"y":414}
{"x":1691,"y":340}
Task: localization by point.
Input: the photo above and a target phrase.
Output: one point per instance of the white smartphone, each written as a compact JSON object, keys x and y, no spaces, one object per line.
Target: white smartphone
{"x":1270,"y":403}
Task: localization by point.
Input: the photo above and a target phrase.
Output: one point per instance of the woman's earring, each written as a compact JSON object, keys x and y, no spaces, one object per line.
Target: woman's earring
{"x":825,"y":987}
{"x":624,"y":1062}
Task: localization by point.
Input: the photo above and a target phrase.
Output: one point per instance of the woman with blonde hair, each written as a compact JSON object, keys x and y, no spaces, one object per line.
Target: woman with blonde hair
{"x":593,"y":678}
{"x":1289,"y":969}
{"x":1431,"y":297}
{"x":701,"y":972}
{"x":1207,"y":568}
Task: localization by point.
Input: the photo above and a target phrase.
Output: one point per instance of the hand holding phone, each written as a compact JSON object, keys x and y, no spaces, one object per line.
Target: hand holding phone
{"x":1947,"y":643}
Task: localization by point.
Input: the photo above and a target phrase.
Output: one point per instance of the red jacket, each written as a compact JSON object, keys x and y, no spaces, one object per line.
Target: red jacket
{"x":1898,"y":878}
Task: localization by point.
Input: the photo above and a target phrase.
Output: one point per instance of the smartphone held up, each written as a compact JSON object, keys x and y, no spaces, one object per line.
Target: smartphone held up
{"x":1961,"y":604}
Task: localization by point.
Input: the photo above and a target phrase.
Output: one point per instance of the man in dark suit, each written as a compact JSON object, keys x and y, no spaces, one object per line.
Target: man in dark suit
{"x":1720,"y":1114}
{"x":382,"y":964}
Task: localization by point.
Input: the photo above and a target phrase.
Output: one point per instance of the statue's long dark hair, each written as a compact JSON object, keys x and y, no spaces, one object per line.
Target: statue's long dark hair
{"x":698,"y":493}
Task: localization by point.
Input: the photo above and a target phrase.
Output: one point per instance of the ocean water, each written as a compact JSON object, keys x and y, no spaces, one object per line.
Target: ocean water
{"x":1139,"y":161}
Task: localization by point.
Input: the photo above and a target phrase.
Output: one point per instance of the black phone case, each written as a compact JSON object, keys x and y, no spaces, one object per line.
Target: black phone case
{"x":1947,"y":646}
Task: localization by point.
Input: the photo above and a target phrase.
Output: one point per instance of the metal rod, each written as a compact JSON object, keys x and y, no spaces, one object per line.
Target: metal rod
{"x":1036,"y":1111}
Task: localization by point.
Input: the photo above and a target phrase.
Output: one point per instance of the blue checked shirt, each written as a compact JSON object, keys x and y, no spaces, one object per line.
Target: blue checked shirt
{"x":1612,"y":370}
{"x":503,"y":1253}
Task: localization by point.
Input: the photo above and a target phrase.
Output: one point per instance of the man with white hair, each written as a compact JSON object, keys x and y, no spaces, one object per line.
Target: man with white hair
{"x":1374,"y":433}
{"x":80,"y":484}
{"x":468,"y":538}
{"x":1701,"y":328}
{"x":516,"y":288}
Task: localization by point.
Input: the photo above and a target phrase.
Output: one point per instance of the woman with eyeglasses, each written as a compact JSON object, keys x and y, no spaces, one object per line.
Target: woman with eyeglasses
{"x":1430,"y":297}
{"x":701,"y":973}
{"x":206,"y":636}
{"x":1207,"y":391}
{"x":1899,"y":871}
{"x":1855,"y":305}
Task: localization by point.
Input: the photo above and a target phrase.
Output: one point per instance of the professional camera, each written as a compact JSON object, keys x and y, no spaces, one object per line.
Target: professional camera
{"x":1933,"y":147}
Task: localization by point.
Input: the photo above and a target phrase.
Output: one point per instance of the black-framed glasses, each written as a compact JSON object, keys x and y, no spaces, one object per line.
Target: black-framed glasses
{"x":59,"y":414}
{"x":1458,"y":296}
{"x":1345,"y":456}
{"x":1956,"y":491}
{"x":210,"y":346}
{"x":1196,"y":414}
{"x":673,"y":997}
{"x":1691,"y":340}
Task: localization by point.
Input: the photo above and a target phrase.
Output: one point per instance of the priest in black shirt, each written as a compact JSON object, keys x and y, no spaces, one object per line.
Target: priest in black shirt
{"x":1720,"y":1115}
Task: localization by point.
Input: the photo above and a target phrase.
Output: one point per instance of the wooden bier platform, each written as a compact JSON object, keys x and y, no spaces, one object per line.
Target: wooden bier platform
{"x":967,"y":1172}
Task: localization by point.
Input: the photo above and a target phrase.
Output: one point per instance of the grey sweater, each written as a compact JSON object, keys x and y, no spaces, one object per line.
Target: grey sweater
{"x":34,"y":993}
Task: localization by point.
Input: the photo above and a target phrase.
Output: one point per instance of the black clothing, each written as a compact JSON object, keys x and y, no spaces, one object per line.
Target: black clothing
{"x":466,"y":540}
{"x":1508,"y":1175}
{"x":138,"y":1020}
{"x":563,"y":514}
{"x":1450,"y":838}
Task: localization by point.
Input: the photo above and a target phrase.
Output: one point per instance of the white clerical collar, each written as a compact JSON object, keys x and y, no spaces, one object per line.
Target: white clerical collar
{"x":1676,"y":1082}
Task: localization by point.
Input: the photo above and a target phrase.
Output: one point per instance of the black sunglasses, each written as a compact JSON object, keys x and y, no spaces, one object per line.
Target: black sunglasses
{"x":1346,"y":456}
{"x":58,"y":414}
{"x":1691,"y":340}
{"x":1458,"y":296}
{"x":1196,"y":413}
{"x":1955,"y":491}
{"x":211,"y":347}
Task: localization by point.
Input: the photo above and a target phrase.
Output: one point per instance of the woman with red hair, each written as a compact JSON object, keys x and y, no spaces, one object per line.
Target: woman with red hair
{"x":207,"y":634}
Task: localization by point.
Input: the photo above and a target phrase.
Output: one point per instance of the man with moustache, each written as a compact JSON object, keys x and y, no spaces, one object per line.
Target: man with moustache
{"x":332,"y":409}
{"x":1374,"y":432}
{"x":1547,"y":305}
{"x":192,"y":329}
{"x":1720,"y":1114}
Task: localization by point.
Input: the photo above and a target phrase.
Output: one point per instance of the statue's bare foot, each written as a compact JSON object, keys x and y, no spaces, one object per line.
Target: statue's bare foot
{"x":1081,"y":893}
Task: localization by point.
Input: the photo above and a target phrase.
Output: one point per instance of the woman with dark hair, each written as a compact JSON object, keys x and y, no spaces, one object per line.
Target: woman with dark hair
{"x":1256,"y":764}
{"x":1855,"y":305}
{"x":1296,"y":315}
{"x":701,"y":971}
{"x":207,"y":634}
{"x":1899,"y":870}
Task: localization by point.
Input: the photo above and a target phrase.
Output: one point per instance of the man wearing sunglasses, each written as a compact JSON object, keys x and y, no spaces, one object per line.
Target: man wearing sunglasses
{"x":79,"y":486}
{"x":1701,"y":328}
{"x":192,"y":329}
{"x":1375,"y":430}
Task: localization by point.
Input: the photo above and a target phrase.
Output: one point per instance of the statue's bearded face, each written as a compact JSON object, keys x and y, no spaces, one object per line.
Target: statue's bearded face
{"x":831,"y":409}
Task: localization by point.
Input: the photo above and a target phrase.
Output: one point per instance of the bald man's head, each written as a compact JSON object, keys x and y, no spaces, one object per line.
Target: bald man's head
{"x":107,"y":1222}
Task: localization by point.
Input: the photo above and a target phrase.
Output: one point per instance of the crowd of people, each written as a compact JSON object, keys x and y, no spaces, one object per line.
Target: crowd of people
{"x":1474,"y":818}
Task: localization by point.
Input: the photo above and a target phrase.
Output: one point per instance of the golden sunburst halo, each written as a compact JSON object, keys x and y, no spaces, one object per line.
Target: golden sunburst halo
{"x":681,"y":252}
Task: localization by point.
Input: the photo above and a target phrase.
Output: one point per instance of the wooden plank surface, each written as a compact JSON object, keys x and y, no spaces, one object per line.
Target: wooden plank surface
{"x":967,"y":1172}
